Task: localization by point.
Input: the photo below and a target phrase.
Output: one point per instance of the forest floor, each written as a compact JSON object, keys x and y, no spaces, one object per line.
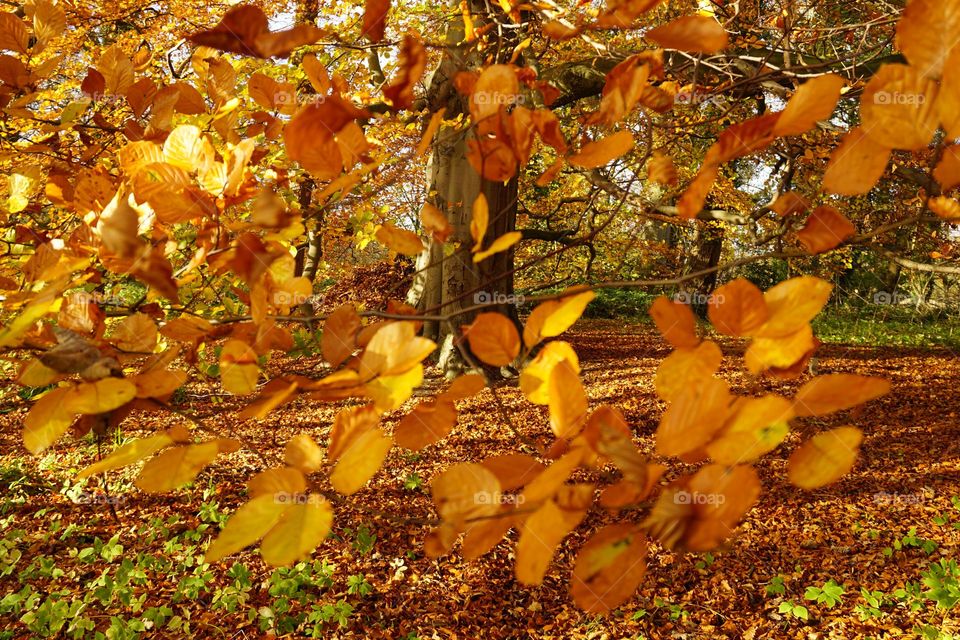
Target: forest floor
{"x":865,"y":544}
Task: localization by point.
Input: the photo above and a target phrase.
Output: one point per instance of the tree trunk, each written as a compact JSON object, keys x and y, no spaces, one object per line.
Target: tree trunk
{"x":704,"y":254}
{"x":448,"y":284}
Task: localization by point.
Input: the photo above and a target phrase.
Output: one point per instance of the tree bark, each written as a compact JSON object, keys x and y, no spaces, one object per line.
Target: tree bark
{"x":447,"y":284}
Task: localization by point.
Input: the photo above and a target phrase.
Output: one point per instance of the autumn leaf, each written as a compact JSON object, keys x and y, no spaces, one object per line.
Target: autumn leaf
{"x":567,"y":400}
{"x":675,"y":322}
{"x":856,"y":165}
{"x":598,"y":153}
{"x":360,"y":461}
{"x":400,"y":240}
{"x":244,"y":30}
{"x":826,"y":229}
{"x":609,"y":568}
{"x":375,"y":19}
{"x":691,"y":33}
{"x":300,"y":529}
{"x":898,"y":108}
{"x":837,"y":391}
{"x":493,"y":338}
{"x":814,"y":101}
{"x":737,"y":308}
{"x":825,"y":458}
{"x":175,"y":467}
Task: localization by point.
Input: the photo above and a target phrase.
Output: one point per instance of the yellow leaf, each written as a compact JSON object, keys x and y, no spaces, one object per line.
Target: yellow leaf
{"x":176,"y":467}
{"x":700,"y":34}
{"x":361,"y":460}
{"x":300,"y":530}
{"x":682,"y":367}
{"x":303,"y":453}
{"x":898,"y":108}
{"x":792,"y":304}
{"x":22,"y":323}
{"x":158,"y":383}
{"x":465,"y":386}
{"x":826,"y":229}
{"x":280,"y":482}
{"x":400,"y":240}
{"x":339,"y":337}
{"x":494,"y":339}
{"x":389,"y":392}
{"x":248,"y":524}
{"x":541,"y":533}
{"x":434,"y":222}
{"x":104,"y":395}
{"x":814,"y":101}
{"x":136,"y":333}
{"x":856,"y":165}
{"x":948,"y":99}
{"x":502,"y":243}
{"x":561,"y":315}
{"x":927,"y":34}
{"x":429,"y":422}
{"x":128,"y":454}
{"x":47,"y":420}
{"x":514,"y":470}
{"x":675,"y":322}
{"x":781,"y":352}
{"x":238,"y":368}
{"x":694,"y":416}
{"x":479,"y":221}
{"x":837,"y":391}
{"x":547,"y":483}
{"x":534,"y":377}
{"x":757,"y":426}
{"x":824,"y":458}
{"x":609,"y":568}
{"x":184,"y":148}
{"x":567,"y":401}
{"x":737,"y":308}
{"x":394,"y":349}
{"x":348,"y":425}
{"x":596,"y":154}
{"x":465,"y":491}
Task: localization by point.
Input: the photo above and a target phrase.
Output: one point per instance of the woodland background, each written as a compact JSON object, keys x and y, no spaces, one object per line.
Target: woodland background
{"x":306,"y":304}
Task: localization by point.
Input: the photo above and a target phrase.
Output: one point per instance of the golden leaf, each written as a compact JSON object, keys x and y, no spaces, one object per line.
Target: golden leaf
{"x":493,"y":338}
{"x":824,"y":458}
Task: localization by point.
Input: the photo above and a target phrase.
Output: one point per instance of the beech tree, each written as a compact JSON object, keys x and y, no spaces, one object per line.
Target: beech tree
{"x":217,"y":159}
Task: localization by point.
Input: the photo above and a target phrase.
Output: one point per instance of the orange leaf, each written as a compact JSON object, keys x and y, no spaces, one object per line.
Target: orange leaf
{"x":835,"y":392}
{"x":675,"y":322}
{"x":814,"y":101}
{"x":597,"y":154}
{"x":824,"y":458}
{"x":856,"y":165}
{"x":737,"y":308}
{"x":700,"y":34}
{"x":494,"y":339}
{"x":826,"y":229}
